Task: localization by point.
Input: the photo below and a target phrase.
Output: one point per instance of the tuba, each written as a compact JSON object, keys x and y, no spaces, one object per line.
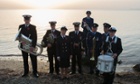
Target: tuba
{"x":26,"y":44}
{"x":93,"y":50}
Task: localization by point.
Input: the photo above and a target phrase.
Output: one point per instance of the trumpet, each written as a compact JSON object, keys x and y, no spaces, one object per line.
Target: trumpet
{"x":26,"y":44}
{"x":93,"y":50}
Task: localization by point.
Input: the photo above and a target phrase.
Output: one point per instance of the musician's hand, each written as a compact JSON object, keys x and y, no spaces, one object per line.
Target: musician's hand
{"x":58,"y":58}
{"x":76,"y":44}
{"x":23,"y":43}
{"x":85,"y":24}
{"x":32,"y":49}
{"x":49,"y":45}
{"x":115,"y":55}
{"x":83,"y":49}
{"x":70,"y":56}
{"x":102,"y":52}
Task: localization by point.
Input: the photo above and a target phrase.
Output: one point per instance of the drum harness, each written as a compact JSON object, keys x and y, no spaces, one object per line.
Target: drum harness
{"x":110,"y":49}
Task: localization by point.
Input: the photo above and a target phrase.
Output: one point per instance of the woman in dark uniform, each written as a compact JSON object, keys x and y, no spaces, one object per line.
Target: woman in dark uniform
{"x":64,"y":52}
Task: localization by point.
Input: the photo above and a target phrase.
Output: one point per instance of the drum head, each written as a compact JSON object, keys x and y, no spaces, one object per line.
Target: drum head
{"x":105,"y":58}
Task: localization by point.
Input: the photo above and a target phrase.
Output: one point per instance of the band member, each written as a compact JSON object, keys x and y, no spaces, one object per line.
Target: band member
{"x":112,"y":45}
{"x":29,"y":30}
{"x":64,"y":52}
{"x":87,"y":23}
{"x":76,"y":38}
{"x":94,"y":44}
{"x":49,"y":40}
{"x":106,"y":30}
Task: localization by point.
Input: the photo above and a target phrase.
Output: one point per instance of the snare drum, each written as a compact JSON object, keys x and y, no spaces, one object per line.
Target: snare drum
{"x":105,"y":63}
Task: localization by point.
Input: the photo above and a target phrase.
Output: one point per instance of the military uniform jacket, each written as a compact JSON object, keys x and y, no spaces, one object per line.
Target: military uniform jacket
{"x":89,"y":21}
{"x":116,"y":47}
{"x":76,"y":38}
{"x":63,"y":46}
{"x":56,"y":34}
{"x":98,"y":38}
{"x":30,"y":32}
{"x":104,"y":35}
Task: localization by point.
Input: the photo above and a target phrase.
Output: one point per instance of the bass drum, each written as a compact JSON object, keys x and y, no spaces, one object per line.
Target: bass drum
{"x":105,"y":63}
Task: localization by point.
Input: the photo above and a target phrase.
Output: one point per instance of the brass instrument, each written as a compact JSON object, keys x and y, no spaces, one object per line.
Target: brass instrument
{"x":87,"y":26}
{"x":93,"y":50}
{"x":50,"y":39}
{"x":26,"y":44}
{"x":83,"y":50}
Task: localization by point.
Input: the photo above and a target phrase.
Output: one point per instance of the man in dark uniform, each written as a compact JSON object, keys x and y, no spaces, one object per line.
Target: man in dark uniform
{"x":94,"y":41}
{"x":76,"y":38}
{"x":49,"y":40}
{"x":106,"y":30}
{"x":29,"y":30}
{"x":64,"y":52}
{"x":87,"y":23}
{"x":112,"y":45}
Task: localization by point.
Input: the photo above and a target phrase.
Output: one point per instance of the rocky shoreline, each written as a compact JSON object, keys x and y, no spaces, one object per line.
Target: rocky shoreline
{"x":11,"y":77}
{"x":11,"y":71}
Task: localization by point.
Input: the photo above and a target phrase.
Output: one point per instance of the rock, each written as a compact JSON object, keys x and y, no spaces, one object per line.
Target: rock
{"x":137,"y":67}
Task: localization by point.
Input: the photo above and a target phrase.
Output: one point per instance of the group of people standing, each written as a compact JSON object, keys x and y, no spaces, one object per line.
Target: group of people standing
{"x":61,"y":47}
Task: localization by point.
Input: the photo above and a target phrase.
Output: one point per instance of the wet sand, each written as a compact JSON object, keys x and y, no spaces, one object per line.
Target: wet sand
{"x":11,"y":71}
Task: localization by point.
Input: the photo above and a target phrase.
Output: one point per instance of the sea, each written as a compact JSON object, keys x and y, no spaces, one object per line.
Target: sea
{"x":127,"y":23}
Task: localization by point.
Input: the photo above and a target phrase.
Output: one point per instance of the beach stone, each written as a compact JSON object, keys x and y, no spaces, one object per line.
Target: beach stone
{"x":137,"y":67}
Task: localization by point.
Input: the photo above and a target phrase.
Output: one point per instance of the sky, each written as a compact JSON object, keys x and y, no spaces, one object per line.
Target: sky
{"x":70,"y":4}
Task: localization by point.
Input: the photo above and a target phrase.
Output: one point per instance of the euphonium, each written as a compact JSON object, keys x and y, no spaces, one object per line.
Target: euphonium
{"x":93,"y":50}
{"x":26,"y":44}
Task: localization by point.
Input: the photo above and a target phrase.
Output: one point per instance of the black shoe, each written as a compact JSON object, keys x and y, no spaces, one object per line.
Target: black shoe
{"x":91,"y":73}
{"x":58,"y":73}
{"x":61,"y":78}
{"x":97,"y":74}
{"x":50,"y":73}
{"x":25,"y":75}
{"x":72,"y":73}
{"x":66,"y":78}
{"x":36,"y":75}
{"x":81,"y":73}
